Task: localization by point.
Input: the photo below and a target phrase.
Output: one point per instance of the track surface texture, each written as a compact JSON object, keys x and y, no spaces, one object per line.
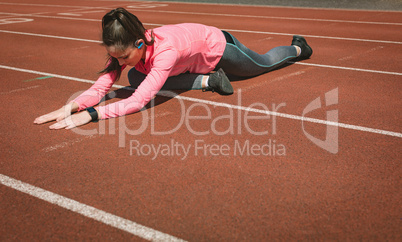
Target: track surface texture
{"x":308,"y":152}
{"x":392,"y":5}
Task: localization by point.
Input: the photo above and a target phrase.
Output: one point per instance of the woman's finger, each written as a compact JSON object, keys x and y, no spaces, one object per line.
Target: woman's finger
{"x":60,"y":118}
{"x":43,"y":119}
{"x":57,"y":115}
{"x":61,"y":124}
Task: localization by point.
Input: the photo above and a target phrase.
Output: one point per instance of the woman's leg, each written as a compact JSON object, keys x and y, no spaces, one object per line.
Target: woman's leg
{"x":239,"y":60}
{"x":217,"y":82}
{"x":185,"y":81}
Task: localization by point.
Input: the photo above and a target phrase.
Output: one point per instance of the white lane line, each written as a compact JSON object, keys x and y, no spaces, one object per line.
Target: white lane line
{"x":41,"y":73}
{"x":52,"y":17}
{"x":315,"y":36}
{"x":14,"y":20}
{"x":50,"y":36}
{"x":87,"y":211}
{"x":49,"y":5}
{"x":212,"y":103}
{"x":63,"y":17}
{"x":79,"y":13}
{"x":278,"y":6}
{"x":231,"y":30}
{"x":347,"y":68}
{"x":291,"y":116}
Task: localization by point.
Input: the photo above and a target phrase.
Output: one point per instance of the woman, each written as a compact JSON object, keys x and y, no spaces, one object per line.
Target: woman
{"x":167,"y":58}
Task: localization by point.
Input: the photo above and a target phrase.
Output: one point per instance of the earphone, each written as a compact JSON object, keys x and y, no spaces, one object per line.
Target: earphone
{"x":138,"y":45}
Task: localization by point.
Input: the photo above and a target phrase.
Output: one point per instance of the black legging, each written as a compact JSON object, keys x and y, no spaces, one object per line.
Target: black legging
{"x":237,"y":60}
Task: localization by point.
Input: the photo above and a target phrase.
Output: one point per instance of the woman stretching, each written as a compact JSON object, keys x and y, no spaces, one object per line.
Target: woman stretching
{"x":171,"y":57}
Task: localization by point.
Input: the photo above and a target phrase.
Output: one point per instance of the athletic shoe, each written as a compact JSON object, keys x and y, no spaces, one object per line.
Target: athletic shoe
{"x":306,"y":50}
{"x":219,"y":82}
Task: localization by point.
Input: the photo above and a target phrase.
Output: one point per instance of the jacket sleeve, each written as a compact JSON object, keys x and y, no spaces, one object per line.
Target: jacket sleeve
{"x":162,"y":65}
{"x":96,"y":92}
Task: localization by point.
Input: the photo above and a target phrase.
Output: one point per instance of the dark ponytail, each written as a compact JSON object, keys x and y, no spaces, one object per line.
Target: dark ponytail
{"x":121,"y":29}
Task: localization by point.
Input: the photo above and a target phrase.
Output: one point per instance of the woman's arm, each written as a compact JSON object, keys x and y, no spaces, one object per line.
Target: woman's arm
{"x":96,"y":92}
{"x":162,"y":66}
{"x":87,"y":99}
{"x":145,"y":92}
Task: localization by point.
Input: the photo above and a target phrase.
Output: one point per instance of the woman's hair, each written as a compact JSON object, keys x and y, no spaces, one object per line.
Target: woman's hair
{"x":121,"y":29}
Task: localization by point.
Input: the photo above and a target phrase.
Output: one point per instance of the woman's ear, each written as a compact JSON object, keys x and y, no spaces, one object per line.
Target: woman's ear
{"x":139,"y":43}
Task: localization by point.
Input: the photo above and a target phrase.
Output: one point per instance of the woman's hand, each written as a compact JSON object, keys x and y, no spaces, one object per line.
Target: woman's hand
{"x":64,"y":118}
{"x":58,"y":115}
{"x":73,"y":121}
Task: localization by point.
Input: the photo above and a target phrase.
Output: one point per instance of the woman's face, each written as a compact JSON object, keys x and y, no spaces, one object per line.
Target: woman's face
{"x":130,"y":56}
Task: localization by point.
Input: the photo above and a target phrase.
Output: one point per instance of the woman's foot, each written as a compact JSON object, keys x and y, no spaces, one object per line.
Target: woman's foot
{"x":219,"y":82}
{"x":306,"y":50}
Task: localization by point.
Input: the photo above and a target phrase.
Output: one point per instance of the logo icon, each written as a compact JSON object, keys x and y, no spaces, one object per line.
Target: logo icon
{"x":330,"y":143}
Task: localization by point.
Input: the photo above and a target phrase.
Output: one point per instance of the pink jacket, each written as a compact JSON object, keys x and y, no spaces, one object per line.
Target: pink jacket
{"x":177,"y":49}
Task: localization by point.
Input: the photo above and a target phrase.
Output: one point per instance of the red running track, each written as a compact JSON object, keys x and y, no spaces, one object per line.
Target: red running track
{"x":249,"y":174}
